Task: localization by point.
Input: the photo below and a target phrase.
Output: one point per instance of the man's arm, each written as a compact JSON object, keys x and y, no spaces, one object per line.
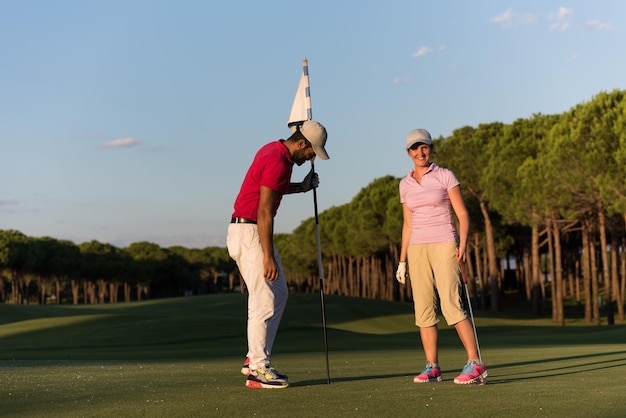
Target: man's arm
{"x":310,"y":182}
{"x":265,"y":223}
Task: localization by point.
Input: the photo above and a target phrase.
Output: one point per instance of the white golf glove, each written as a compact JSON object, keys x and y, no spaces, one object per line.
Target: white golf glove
{"x":401,"y":272}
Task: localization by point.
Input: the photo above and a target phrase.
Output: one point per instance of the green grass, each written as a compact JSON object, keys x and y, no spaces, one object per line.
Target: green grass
{"x":181,"y":357}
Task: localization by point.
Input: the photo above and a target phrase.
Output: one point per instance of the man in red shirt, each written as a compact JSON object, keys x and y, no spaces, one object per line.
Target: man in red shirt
{"x":250,"y":242}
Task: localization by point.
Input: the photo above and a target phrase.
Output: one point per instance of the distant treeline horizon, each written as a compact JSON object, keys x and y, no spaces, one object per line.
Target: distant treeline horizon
{"x":547,"y":191}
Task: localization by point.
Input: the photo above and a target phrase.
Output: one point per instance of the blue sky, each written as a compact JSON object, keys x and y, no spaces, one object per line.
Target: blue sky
{"x":135,"y":120}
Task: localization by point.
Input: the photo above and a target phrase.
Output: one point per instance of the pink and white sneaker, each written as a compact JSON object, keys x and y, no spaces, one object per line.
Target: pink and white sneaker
{"x":472,"y":372}
{"x":429,"y":374}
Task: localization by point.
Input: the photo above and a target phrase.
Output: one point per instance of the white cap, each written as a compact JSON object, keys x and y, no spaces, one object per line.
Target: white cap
{"x":418,"y":135}
{"x":315,"y":133}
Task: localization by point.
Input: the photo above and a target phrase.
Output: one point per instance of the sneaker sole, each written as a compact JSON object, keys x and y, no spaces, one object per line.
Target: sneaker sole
{"x":260,"y":385}
{"x":433,"y":380}
{"x":480,"y":380}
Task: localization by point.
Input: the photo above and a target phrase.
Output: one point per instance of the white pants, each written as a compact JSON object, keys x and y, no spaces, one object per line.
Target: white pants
{"x":266,"y":301}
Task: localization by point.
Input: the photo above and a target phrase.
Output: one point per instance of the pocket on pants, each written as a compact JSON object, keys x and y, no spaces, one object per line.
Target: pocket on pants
{"x":232,"y":243}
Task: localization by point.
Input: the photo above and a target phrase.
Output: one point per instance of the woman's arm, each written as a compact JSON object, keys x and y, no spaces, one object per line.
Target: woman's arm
{"x":406,"y":232}
{"x":461,"y":213}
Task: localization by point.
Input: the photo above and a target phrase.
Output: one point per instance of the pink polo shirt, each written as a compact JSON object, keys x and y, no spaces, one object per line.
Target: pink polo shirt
{"x":272,"y":167}
{"x":429,"y":203}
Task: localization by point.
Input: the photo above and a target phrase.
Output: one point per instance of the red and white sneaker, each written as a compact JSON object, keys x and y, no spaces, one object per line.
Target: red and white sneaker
{"x":266,"y":378}
{"x":429,"y":374}
{"x":472,"y":372}
{"x":245,"y":369}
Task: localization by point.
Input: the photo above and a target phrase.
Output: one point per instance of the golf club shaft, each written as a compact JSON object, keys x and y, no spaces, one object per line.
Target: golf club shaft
{"x":469,"y":304}
{"x":320,"y":267}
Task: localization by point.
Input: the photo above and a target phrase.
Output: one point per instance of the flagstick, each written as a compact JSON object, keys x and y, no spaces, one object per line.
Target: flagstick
{"x":320,"y":267}
{"x":300,"y":113}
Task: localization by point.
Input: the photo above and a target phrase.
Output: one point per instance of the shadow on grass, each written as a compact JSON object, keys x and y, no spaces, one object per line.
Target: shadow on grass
{"x":317,"y":382}
{"x":580,"y":367}
{"x":537,"y":372}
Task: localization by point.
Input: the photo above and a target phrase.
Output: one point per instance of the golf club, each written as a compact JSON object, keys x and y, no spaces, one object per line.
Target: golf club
{"x":483,"y":380}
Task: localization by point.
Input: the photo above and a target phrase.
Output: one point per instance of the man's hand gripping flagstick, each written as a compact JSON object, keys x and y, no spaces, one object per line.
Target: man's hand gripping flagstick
{"x":300,"y":113}
{"x":482,"y":380}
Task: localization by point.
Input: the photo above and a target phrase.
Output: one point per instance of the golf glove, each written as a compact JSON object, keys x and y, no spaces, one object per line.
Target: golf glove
{"x":401,"y":273}
{"x":310,"y":182}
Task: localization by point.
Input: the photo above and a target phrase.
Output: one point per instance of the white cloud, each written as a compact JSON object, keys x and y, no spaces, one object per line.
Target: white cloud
{"x":511,"y":18}
{"x":400,"y":80}
{"x":562,"y":23}
{"x":422,"y":51}
{"x":560,"y":26}
{"x":121,"y":143}
{"x":563,"y":11}
{"x":526,"y":19}
{"x":504,"y":17}
{"x":596,"y":24}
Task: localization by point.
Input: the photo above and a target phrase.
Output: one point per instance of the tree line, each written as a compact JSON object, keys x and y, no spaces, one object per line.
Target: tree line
{"x":41,"y":270}
{"x":546,"y":194}
{"x":547,"y":198}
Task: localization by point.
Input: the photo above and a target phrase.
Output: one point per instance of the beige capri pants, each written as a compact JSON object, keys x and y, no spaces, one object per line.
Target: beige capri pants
{"x":435,"y":277}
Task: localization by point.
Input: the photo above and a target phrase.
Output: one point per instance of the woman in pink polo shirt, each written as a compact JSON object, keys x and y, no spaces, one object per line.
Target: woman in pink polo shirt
{"x":433,"y":250}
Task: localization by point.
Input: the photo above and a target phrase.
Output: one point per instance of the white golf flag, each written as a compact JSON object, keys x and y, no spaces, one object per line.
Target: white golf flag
{"x":301,"y":109}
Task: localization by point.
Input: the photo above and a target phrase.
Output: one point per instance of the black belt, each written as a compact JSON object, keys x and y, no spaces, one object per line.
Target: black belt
{"x":242,"y":221}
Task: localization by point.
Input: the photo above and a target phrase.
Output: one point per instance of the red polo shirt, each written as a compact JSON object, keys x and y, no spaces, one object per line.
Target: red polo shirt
{"x":271,"y":167}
